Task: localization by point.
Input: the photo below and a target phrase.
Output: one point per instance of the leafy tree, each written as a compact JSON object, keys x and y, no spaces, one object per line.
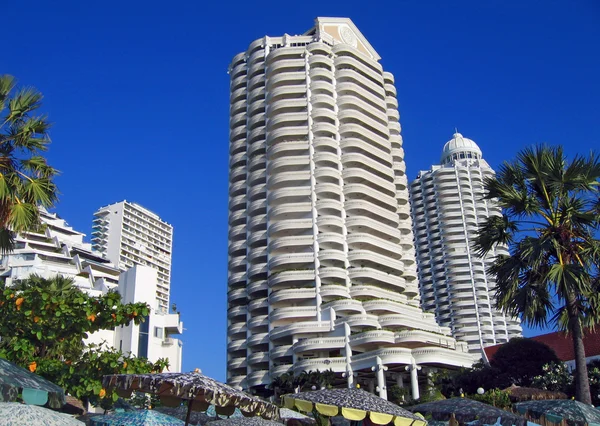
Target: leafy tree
{"x":555,"y":376}
{"x":25,"y":177}
{"x":44,"y":324}
{"x":551,"y":212}
{"x":466,"y":380}
{"x":520,"y":360}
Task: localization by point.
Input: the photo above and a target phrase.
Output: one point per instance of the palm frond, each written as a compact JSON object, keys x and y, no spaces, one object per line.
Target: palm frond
{"x":7,"y":84}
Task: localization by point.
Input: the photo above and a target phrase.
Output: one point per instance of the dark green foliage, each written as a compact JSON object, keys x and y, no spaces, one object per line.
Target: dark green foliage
{"x":43,"y":327}
{"x":520,"y":360}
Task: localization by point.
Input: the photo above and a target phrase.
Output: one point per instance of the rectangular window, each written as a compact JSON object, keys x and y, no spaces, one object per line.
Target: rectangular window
{"x":143,"y":339}
{"x":158,"y":332}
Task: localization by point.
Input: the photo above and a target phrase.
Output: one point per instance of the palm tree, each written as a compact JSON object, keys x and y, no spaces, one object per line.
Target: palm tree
{"x":25,"y":176}
{"x":551,"y":215}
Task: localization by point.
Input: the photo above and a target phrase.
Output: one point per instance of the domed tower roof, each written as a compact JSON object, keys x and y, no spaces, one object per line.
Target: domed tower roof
{"x":458,"y":148}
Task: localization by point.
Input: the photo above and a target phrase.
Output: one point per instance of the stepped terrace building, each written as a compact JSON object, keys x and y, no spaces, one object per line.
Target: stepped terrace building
{"x":322,"y":269}
{"x":448,"y":205}
{"x":58,"y":249}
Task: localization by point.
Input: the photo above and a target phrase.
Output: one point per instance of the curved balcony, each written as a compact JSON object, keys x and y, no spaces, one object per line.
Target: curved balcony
{"x":345,"y":307}
{"x":317,"y":344}
{"x":257,"y":378}
{"x":278,"y":370}
{"x":367,"y":276}
{"x":297,"y":329}
{"x":236,"y":345}
{"x":258,"y":339}
{"x":388,"y":307}
{"x":291,"y":210}
{"x":363,"y":240}
{"x":236,"y":328}
{"x":291,"y":243}
{"x":416,"y":338}
{"x":360,"y":321}
{"x":237,"y":296}
{"x":287,"y":314}
{"x":362,"y":224}
{"x":258,"y":321}
{"x":237,"y":279}
{"x":289,"y":148}
{"x":292,"y":294}
{"x":330,"y":241}
{"x":281,"y":352}
{"x":257,"y":304}
{"x":258,"y":358}
{"x":235,"y":363}
{"x":389,"y":356}
{"x":383,"y":263}
{"x":238,"y":312}
{"x":373,"y":337}
{"x":352,"y":144}
{"x":257,"y":269}
{"x":333,"y":291}
{"x":292,"y":278}
{"x":291,"y":261}
{"x":257,"y":238}
{"x":337,"y":364}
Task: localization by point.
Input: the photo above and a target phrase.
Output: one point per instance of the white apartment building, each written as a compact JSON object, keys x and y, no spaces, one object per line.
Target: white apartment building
{"x":60,"y":250}
{"x":127,"y":234}
{"x":448,"y":205}
{"x":322,"y":269}
{"x":152,"y":339}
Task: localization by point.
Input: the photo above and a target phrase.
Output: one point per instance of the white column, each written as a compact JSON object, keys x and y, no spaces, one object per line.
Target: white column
{"x":414,"y":380}
{"x":414,"y":383}
{"x":348,"y":350}
{"x":380,"y":373}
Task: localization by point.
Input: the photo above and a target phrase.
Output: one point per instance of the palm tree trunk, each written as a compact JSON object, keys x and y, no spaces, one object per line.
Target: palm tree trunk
{"x":582,"y":384}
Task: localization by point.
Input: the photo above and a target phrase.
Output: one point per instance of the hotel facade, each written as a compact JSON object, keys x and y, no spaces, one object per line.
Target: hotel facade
{"x":128,"y":234}
{"x":322,"y":269}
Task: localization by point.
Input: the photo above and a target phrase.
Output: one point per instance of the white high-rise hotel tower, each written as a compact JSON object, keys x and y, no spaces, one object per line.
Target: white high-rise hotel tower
{"x":127,"y":234}
{"x":322,"y":270}
{"x":448,"y":205}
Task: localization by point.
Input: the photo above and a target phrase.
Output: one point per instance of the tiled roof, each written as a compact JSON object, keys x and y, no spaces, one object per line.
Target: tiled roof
{"x":562,"y":344}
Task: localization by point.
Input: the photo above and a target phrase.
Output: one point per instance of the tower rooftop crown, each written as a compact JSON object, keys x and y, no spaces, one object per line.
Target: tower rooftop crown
{"x":460,"y":145}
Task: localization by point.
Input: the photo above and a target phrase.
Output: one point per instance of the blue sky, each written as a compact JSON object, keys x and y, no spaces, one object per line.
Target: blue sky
{"x":138,"y":92}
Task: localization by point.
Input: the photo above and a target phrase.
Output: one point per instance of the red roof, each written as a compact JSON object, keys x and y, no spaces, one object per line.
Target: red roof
{"x":562,"y":344}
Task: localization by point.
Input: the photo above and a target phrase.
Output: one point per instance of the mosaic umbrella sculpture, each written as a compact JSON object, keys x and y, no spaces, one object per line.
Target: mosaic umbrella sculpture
{"x":136,"y":418}
{"x":354,"y":405}
{"x":556,"y":410}
{"x":198,"y":390}
{"x":34,"y":389}
{"x":467,"y":410}
{"x":17,"y":414}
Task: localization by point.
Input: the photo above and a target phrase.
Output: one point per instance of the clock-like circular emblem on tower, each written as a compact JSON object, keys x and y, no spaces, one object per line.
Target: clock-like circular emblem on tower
{"x":348,"y":36}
